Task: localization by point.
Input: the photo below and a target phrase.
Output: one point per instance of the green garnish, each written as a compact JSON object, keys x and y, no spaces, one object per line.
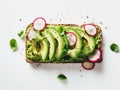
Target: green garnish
{"x":21,"y":34}
{"x":114,"y":47}
{"x":61,"y":77}
{"x":13,"y":44}
{"x":61,"y":30}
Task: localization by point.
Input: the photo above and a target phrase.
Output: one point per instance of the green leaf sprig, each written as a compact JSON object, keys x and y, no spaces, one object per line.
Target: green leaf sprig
{"x":61,"y":77}
{"x":114,"y":47}
{"x":13,"y":44}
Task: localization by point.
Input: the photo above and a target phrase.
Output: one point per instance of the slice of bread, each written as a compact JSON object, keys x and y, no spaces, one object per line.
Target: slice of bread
{"x":30,"y":27}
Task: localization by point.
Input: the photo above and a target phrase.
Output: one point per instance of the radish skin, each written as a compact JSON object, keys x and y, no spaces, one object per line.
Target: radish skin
{"x":31,"y":34}
{"x":88,"y":65}
{"x":72,"y":38}
{"x":96,"y":56}
{"x":39,"y":23}
{"x":90,"y":29}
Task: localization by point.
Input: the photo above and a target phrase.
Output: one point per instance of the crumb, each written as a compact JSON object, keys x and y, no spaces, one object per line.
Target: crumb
{"x":81,"y":75}
{"x":50,"y":19}
{"x":80,"y":70}
{"x":24,"y":27}
{"x":103,"y":44}
{"x":20,"y":53}
{"x":22,"y":49}
{"x":84,"y":22}
{"x":81,"y":17}
{"x":61,"y":13}
{"x":74,"y":14}
{"x":55,"y":19}
{"x":38,"y":64}
{"x":60,"y":20}
{"x":101,"y":23}
{"x":87,"y":17}
{"x":106,"y":27}
{"x":20,"y":19}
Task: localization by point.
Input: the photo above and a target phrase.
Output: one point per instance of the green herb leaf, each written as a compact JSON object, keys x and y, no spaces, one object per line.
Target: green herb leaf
{"x":62,"y":77}
{"x":61,"y":30}
{"x":13,"y":44}
{"x":21,"y":34}
{"x":114,"y":47}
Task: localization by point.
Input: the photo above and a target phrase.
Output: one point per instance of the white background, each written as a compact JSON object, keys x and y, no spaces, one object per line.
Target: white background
{"x":16,"y":74}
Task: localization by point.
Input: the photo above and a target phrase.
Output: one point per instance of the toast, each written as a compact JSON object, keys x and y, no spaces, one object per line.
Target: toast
{"x":51,"y":45}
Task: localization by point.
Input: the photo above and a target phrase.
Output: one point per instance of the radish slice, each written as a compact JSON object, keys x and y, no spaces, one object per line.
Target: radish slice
{"x":72,"y":38}
{"x":39,"y":23}
{"x":31,"y":34}
{"x":96,"y":56}
{"x":88,"y":65}
{"x":90,"y":29}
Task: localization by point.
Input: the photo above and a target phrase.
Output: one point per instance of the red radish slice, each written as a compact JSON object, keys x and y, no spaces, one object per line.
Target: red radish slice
{"x":96,"y":56}
{"x":72,"y":38}
{"x":90,"y":29}
{"x":88,"y":65}
{"x":31,"y":34}
{"x":39,"y":23}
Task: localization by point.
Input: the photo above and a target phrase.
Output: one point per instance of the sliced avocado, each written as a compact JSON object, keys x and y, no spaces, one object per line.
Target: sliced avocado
{"x":77,"y":49}
{"x":34,"y":46}
{"x":38,"y":48}
{"x":44,"y":49}
{"x":60,"y":43}
{"x":61,"y":31}
{"x":66,"y":42}
{"x":51,"y":41}
{"x":30,"y":54}
{"x":88,"y":43}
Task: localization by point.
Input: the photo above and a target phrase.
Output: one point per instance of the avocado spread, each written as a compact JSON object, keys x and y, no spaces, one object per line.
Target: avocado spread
{"x":52,"y":46}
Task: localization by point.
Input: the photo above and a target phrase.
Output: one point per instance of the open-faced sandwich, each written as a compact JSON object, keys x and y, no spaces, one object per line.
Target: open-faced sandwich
{"x":63,"y":43}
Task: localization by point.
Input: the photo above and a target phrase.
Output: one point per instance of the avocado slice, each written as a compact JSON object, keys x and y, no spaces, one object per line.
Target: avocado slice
{"x":61,"y":31}
{"x":38,"y":48}
{"x":31,"y":52}
{"x":51,"y":41}
{"x":74,"y":52}
{"x":59,"y":41}
{"x":88,"y":43}
{"x":66,"y":42}
{"x":44,"y":49}
{"x":34,"y":45}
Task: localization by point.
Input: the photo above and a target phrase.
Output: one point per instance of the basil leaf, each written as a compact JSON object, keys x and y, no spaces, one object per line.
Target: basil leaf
{"x":61,"y":30}
{"x":114,"y":47}
{"x":61,"y":77}
{"x":13,"y":44}
{"x":21,"y":34}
